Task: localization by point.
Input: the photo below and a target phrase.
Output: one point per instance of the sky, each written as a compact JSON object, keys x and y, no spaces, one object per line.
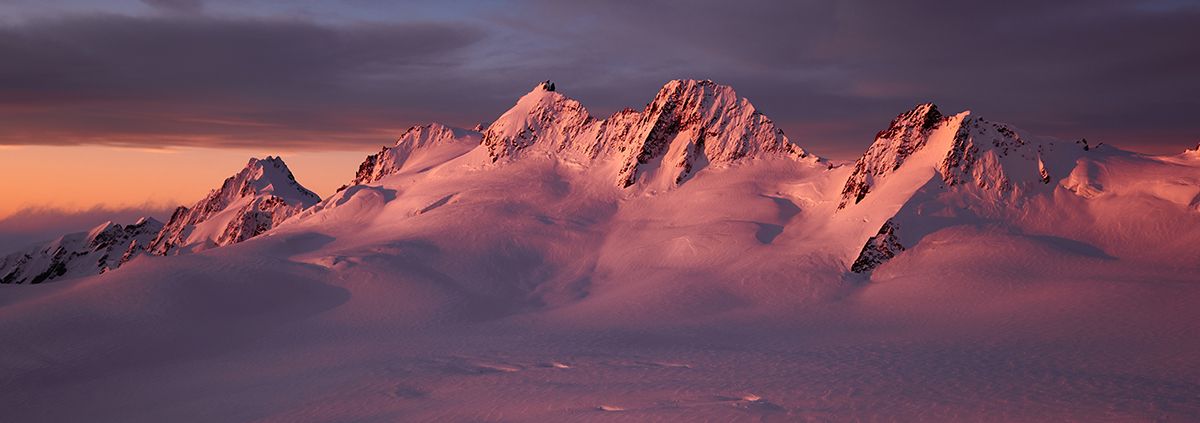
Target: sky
{"x":116,"y":108}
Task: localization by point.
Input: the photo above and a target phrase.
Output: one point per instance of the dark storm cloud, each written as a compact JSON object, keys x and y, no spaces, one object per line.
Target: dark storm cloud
{"x":830,"y":72}
{"x":108,"y":78}
{"x":176,"y":6}
{"x":1115,"y":70}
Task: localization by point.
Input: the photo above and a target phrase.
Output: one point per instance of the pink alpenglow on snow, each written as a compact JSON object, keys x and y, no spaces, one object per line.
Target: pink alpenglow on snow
{"x":684,"y":261}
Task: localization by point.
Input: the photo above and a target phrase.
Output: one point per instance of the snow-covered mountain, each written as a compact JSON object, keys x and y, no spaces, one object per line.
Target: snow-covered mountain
{"x":690,"y":124}
{"x":256,"y":199}
{"x":665,"y":263}
{"x":99,"y":250}
{"x":962,"y":149}
{"x":925,"y":171}
{"x":432,"y":143}
{"x":928,"y":171}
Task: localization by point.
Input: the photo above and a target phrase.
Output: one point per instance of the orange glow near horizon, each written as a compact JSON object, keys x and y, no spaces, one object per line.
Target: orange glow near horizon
{"x":73,"y":178}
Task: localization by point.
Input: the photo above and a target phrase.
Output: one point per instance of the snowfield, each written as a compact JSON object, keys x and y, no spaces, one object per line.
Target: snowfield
{"x":685,"y":262}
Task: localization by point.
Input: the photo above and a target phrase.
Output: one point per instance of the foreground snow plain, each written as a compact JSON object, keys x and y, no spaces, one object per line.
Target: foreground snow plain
{"x":461,"y":289}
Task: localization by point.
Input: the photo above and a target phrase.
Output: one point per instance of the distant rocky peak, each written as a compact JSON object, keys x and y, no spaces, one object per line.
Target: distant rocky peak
{"x":697,"y":91}
{"x":103,"y":248}
{"x":922,"y":118}
{"x":541,"y":116}
{"x":703,"y":122}
{"x":907,"y":133}
{"x":700,"y":122}
{"x":265,"y":192}
{"x":262,"y":176}
{"x":968,"y":150}
{"x":430,"y":133}
{"x":390,"y":160}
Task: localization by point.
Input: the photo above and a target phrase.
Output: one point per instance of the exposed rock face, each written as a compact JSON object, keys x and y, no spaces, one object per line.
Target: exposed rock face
{"x":924,"y":154}
{"x":908,"y":132}
{"x":687,"y":126}
{"x":691,"y":123}
{"x":97,"y":251}
{"x":256,"y":199}
{"x":880,"y":248}
{"x":990,"y":155}
{"x":963,"y":149}
{"x":391,"y":160}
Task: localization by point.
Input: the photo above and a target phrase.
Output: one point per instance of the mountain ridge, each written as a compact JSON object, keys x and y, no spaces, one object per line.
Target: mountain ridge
{"x":963,"y":165}
{"x":260,"y":196}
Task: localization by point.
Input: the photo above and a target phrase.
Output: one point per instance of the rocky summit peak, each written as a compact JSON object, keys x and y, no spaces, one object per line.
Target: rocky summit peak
{"x":923,"y":117}
{"x":697,"y":122}
{"x":417,"y":139}
{"x":254,"y":200}
{"x":963,"y":149}
{"x":543,"y":116}
{"x":908,"y":133}
{"x":267,"y":175}
{"x":702,"y":122}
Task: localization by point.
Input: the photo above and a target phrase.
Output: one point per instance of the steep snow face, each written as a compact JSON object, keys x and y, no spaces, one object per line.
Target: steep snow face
{"x":256,"y":199}
{"x":689,"y":125}
{"x":99,"y":250}
{"x":417,"y":148}
{"x":543,"y":116}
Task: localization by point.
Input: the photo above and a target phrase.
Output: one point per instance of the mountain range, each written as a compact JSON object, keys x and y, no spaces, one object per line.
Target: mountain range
{"x":686,"y":261}
{"x":925,"y":171}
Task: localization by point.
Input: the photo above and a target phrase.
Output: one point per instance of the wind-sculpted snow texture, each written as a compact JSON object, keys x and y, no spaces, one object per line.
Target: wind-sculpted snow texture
{"x":681,"y":262}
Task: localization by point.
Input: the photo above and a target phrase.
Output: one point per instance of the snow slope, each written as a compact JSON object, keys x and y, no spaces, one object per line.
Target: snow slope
{"x":522,"y":275}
